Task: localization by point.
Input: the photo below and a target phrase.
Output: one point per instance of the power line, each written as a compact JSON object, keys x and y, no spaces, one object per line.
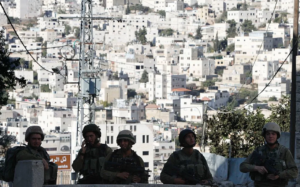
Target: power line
{"x":274,"y":74}
{"x":21,"y":40}
{"x":252,"y":65}
{"x":38,"y":49}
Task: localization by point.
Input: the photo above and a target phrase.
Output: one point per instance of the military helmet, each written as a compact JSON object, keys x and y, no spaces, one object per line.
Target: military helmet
{"x":271,"y":126}
{"x":183,"y":134}
{"x":91,"y":128}
{"x":126,"y":135}
{"x":34,"y":130}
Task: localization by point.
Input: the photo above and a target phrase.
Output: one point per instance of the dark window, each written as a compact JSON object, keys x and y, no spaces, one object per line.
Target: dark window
{"x":145,"y":152}
{"x":143,"y":138}
{"x":147,"y":138}
{"x":146,"y":164}
{"x":134,"y":128}
{"x":112,"y":139}
{"x":107,"y":139}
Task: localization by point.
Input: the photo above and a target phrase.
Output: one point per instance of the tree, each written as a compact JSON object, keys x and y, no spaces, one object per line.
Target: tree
{"x":209,"y":83}
{"x":144,"y":77}
{"x":230,"y":48}
{"x":222,"y":18}
{"x":131,"y":93}
{"x":281,"y":113}
{"x":8,"y":80}
{"x":67,"y":29}
{"x":248,"y":27}
{"x":242,"y":128}
{"x":60,"y":11}
{"x":217,"y":43}
{"x":198,"y":33}
{"x":167,"y":32}
{"x":116,"y":76}
{"x":39,"y":39}
{"x":44,"y":50}
{"x":246,"y":95}
{"x":30,"y":65}
{"x":231,"y":31}
{"x":162,"y":13}
{"x":141,"y":35}
{"x":273,"y":98}
{"x":127,"y":9}
{"x":45,"y":88}
{"x":22,"y":62}
{"x":77,"y":32}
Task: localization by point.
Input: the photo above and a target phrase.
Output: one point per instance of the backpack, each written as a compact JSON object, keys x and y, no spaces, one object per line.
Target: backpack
{"x":10,"y":163}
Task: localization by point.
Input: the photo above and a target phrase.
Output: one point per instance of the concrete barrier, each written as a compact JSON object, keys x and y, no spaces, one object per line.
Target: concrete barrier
{"x":29,"y":173}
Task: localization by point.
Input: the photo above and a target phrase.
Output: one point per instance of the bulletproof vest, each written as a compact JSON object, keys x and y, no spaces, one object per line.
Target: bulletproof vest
{"x":94,"y":161}
{"x":118,"y":158}
{"x":278,"y":163}
{"x":195,"y":166}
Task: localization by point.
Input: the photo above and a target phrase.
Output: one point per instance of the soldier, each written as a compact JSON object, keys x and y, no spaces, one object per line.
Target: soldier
{"x":186,"y":166}
{"x":34,"y":151}
{"x":91,"y":156}
{"x":124,"y":166}
{"x":282,"y":167}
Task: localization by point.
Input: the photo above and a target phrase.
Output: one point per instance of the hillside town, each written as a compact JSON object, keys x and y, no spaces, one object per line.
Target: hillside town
{"x":164,"y":66}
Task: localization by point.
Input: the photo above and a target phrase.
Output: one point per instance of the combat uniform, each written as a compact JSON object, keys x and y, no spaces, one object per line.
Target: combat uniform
{"x":110,"y":175}
{"x":285,"y":164}
{"x":90,"y":167}
{"x":195,"y":163}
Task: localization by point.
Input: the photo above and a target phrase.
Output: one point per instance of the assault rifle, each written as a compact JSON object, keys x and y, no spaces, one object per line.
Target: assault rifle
{"x":260,"y":160}
{"x":127,"y":165}
{"x":187,"y":175}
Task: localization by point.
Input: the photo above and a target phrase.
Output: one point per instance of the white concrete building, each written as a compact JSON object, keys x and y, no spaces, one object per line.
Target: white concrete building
{"x":26,"y":9}
{"x":255,"y":15}
{"x":132,"y":110}
{"x":28,"y":75}
{"x":264,"y":70}
{"x":215,"y":99}
{"x":279,"y":86}
{"x":191,"y":109}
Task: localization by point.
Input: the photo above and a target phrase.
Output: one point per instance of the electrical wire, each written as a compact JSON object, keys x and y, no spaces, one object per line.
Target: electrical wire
{"x":21,"y":39}
{"x":38,"y":49}
{"x":252,"y":65}
{"x":275,"y":73}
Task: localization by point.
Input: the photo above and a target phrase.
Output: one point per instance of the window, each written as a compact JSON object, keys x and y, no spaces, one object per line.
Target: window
{"x":146,"y":164}
{"x":145,"y":152}
{"x":112,"y":128}
{"x":147,"y":138}
{"x":143,"y":138}
{"x":107,"y":139}
{"x":135,"y":128}
{"x":111,"y":139}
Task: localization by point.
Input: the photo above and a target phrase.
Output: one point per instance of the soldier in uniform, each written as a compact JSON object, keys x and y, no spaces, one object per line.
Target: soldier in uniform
{"x":34,"y":151}
{"x":283,"y":164}
{"x":124,"y":166}
{"x":186,"y":166}
{"x":91,"y":156}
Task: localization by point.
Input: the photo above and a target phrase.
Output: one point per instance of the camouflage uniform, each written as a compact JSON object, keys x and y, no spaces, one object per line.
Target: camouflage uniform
{"x":284,"y":156}
{"x":111,"y":176}
{"x":282,"y":161}
{"x":179,"y":159}
{"x":31,"y":154}
{"x":90,"y":167}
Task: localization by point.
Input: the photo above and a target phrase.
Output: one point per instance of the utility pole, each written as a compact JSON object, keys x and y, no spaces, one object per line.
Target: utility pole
{"x":295,"y":76}
{"x":89,"y":75}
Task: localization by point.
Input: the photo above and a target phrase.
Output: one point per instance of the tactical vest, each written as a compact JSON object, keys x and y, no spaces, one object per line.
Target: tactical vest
{"x":94,"y":161}
{"x":116,"y":158}
{"x":279,"y":164}
{"x":197,"y":167}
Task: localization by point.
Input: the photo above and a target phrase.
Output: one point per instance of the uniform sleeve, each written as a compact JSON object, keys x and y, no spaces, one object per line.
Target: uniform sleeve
{"x":108,"y":150}
{"x":77,"y":163}
{"x":208,"y":175}
{"x":164,"y":177}
{"x":291,"y":170}
{"x":26,"y":155}
{"x":144,"y":179}
{"x":108,"y":175}
{"x":246,"y":166}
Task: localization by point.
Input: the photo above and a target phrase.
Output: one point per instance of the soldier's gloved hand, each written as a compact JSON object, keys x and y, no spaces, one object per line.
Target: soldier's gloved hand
{"x":45,"y":163}
{"x":136,"y":179}
{"x":272,"y":176}
{"x":261,"y":169}
{"x":179,"y":181}
{"x":123,"y":175}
